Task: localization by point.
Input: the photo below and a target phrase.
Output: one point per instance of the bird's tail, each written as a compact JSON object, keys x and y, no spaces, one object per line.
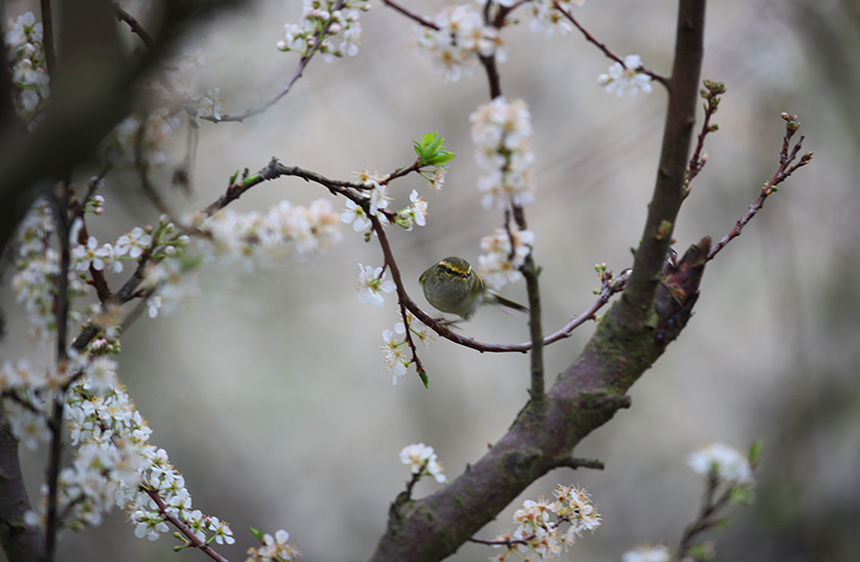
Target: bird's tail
{"x":493,"y":297}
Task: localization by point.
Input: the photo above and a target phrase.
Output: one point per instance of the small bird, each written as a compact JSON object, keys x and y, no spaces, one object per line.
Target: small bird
{"x":453,"y":286}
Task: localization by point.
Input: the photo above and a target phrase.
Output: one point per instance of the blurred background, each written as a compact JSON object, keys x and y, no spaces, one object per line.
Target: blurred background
{"x":268,"y":389}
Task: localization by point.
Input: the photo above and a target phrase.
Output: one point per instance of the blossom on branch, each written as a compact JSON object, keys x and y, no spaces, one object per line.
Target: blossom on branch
{"x":394,"y":354}
{"x":353,"y":214}
{"x":725,"y":461}
{"x":626,"y":79}
{"x":25,"y":54}
{"x":461,"y":38}
{"x":371,"y":284}
{"x":337,"y":32}
{"x":501,"y":131}
{"x":422,"y":460}
{"x":277,"y":548}
{"x":506,"y":253}
{"x":415,"y":213}
{"x":545,"y":527}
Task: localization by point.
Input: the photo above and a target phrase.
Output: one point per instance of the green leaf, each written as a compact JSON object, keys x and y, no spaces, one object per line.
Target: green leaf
{"x":430,"y":150}
{"x":257,"y":533}
{"x":440,"y":158}
{"x":755,"y":452}
{"x":423,"y":375}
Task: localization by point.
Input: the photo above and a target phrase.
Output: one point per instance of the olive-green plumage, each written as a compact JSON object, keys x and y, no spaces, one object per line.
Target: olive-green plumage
{"x":453,"y":286}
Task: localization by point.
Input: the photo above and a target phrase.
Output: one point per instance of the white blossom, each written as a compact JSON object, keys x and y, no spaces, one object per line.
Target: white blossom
{"x":726,"y":461}
{"x":626,"y":79}
{"x":421,"y":459}
{"x":501,"y":132}
{"x":461,"y":38}
{"x":371,"y":284}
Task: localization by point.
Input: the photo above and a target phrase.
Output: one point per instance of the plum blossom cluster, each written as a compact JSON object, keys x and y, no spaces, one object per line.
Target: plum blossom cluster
{"x":545,"y":527}
{"x":305,"y":231}
{"x":109,"y":256}
{"x":501,"y":131}
{"x":545,"y":17}
{"x":162,"y":494}
{"x":415,"y":213}
{"x":25,"y":54}
{"x":330,"y":26}
{"x":115,"y":459}
{"x":626,"y":79}
{"x":111,"y":438}
{"x":458,"y":40}
{"x":506,"y":253}
{"x":250,"y":239}
{"x":395,"y":346}
{"x":277,"y":548}
{"x":422,"y":461}
{"x":23,"y":402}
{"x":354,"y":214}
{"x":726,"y":462}
{"x":38,"y":265}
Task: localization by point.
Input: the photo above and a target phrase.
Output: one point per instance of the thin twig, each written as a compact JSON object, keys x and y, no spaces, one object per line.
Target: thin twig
{"x":606,"y":50}
{"x":182,"y":527}
{"x":711,"y":94}
{"x":140,"y":31}
{"x":135,"y":25}
{"x":287,"y":86}
{"x":530,"y":272}
{"x":411,"y":15}
{"x":783,"y":172}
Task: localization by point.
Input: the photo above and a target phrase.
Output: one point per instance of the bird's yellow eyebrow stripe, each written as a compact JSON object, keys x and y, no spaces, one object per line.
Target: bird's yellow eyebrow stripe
{"x":451,"y":269}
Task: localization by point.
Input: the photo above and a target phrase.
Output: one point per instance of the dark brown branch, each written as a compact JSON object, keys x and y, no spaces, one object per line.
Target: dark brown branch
{"x":638,"y":299}
{"x":134,"y":25}
{"x":493,"y":78}
{"x":411,"y":15}
{"x":21,"y":543}
{"x":60,"y":206}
